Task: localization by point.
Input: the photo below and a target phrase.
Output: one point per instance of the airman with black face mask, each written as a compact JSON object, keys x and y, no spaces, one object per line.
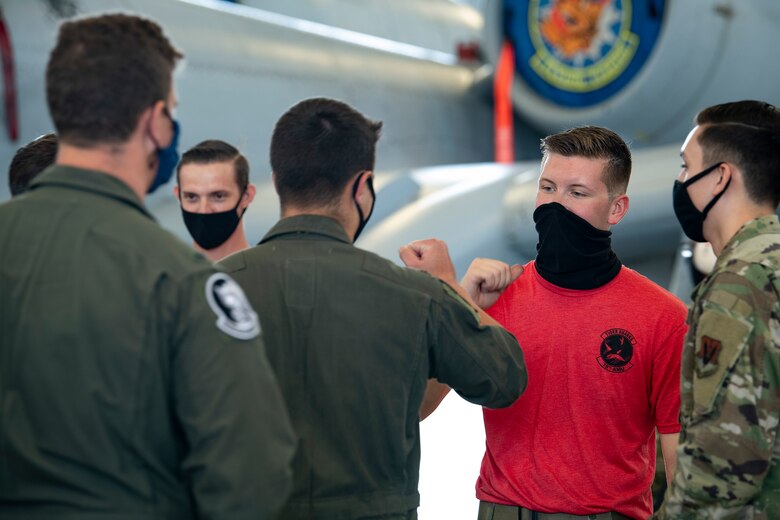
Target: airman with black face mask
{"x":357,"y":338}
{"x":602,"y":344}
{"x":727,"y":193}
{"x":213,"y":188}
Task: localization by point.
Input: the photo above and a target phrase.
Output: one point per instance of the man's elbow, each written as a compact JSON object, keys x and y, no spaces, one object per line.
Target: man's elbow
{"x":514,"y":380}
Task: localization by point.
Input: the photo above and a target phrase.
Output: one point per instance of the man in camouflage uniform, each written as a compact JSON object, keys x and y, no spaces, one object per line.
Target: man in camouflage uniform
{"x":727,"y":460}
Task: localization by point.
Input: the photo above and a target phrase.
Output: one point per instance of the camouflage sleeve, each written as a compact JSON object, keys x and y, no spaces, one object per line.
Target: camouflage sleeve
{"x":730,"y":427}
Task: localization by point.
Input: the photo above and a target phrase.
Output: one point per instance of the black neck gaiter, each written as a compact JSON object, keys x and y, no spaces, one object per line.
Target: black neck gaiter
{"x":571,"y":253}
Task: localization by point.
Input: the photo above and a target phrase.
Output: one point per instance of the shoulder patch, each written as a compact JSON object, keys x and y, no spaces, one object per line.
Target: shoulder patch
{"x":720,"y":340}
{"x":708,"y":353}
{"x":235,"y":316}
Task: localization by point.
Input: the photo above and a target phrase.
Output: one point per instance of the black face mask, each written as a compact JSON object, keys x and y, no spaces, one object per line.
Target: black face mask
{"x":691,"y":219}
{"x":363,"y":222}
{"x":210,"y":230}
{"x":571,"y":253}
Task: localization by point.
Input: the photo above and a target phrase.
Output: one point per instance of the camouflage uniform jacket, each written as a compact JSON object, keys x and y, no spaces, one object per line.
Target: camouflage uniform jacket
{"x":727,"y":460}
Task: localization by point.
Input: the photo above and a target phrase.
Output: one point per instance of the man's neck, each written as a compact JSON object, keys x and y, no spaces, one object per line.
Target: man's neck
{"x":732,"y":223}
{"x":113,"y":160}
{"x":349,"y":227}
{"x":237,"y":242}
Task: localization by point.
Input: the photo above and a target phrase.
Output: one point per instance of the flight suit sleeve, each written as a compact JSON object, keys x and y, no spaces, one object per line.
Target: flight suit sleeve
{"x":727,"y":443}
{"x":484,"y":364}
{"x":228,"y":403}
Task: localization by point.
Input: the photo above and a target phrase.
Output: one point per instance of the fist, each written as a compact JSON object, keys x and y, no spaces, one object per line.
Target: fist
{"x":486,"y":279}
{"x":430,"y":255}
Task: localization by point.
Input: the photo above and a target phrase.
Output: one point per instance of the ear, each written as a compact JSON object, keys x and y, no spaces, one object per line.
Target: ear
{"x":249,"y":194}
{"x":176,"y":191}
{"x":725,"y":173}
{"x":618,"y":209}
{"x":363,"y":189}
{"x":160,"y":128}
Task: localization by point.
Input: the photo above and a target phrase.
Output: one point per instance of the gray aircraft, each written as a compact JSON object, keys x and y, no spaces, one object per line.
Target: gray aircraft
{"x":425,"y":67}
{"x":245,"y":66}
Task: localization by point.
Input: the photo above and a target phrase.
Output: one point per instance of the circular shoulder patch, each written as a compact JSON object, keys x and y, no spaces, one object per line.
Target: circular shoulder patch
{"x":235,"y":317}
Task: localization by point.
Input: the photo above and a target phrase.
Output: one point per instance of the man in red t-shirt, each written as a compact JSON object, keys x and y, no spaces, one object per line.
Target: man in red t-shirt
{"x":602,"y":344}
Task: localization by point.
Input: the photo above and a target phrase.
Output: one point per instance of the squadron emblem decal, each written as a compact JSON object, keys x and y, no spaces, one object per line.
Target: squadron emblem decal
{"x":579,"y":53}
{"x":582,"y":46}
{"x":707,"y":356}
{"x":235,"y":317}
{"x":616,"y":351}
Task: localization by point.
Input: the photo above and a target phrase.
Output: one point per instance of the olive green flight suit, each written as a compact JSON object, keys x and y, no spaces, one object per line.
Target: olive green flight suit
{"x":353,"y":339}
{"x":133,"y":380}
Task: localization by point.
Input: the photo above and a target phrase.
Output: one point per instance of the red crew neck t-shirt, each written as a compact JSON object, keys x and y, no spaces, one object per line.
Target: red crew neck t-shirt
{"x":603,"y":373}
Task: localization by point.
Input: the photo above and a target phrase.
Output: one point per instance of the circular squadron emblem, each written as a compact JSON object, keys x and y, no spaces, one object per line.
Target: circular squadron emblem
{"x":616,"y":350}
{"x":580,"y":52}
{"x":235,"y":316}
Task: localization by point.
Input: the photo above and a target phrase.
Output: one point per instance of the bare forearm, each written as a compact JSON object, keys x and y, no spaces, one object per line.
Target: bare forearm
{"x":669,"y":450}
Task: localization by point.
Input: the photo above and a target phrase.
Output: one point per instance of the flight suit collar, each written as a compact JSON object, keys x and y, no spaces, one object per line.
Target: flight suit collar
{"x":92,"y":181}
{"x":316,"y":226}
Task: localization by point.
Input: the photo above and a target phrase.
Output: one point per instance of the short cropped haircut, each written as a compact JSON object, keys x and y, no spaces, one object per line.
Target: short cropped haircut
{"x":755,"y":151}
{"x":595,"y":142}
{"x":317,"y":147}
{"x":216,"y":151}
{"x":103,"y":73}
{"x":30,"y":160}
{"x":747,"y":112}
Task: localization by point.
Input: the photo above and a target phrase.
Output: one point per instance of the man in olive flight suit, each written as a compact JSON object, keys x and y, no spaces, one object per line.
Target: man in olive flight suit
{"x":133,"y":379}
{"x":727,"y":194}
{"x":354,"y":338}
